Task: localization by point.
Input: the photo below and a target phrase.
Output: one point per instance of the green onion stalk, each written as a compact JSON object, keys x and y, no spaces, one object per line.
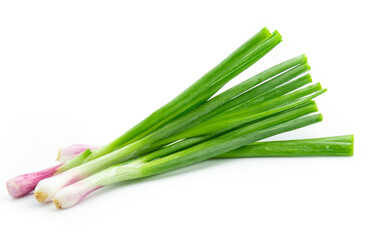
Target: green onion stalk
{"x":327,"y":146}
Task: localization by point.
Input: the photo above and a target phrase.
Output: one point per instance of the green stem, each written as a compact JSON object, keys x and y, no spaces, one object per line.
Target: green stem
{"x":80,"y":159}
{"x":294,"y":148}
{"x":303,"y":93}
{"x":336,"y":139}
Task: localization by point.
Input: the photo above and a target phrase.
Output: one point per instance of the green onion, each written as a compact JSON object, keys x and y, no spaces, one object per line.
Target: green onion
{"x":195,"y":126}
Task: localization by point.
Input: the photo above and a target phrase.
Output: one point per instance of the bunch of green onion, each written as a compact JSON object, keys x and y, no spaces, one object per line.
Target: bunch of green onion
{"x":195,"y":126}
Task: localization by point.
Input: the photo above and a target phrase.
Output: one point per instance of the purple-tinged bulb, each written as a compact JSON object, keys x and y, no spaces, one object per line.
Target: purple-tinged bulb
{"x":72,"y":151}
{"x":21,"y":185}
{"x":47,"y":188}
{"x":72,"y":194}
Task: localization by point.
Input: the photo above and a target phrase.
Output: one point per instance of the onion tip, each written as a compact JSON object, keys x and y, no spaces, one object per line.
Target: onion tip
{"x":40,"y":196}
{"x":57,"y":204}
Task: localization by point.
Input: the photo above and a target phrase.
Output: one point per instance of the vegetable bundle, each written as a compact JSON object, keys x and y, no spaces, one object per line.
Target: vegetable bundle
{"x":195,"y":126}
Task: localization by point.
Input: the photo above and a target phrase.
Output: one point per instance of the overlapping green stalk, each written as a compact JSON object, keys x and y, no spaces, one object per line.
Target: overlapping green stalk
{"x":327,"y":146}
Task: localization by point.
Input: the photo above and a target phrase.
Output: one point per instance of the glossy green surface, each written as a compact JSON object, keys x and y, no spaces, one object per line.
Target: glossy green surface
{"x":331,"y":146}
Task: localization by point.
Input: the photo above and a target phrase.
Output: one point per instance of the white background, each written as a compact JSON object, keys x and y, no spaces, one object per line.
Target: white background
{"x":86,"y":71}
